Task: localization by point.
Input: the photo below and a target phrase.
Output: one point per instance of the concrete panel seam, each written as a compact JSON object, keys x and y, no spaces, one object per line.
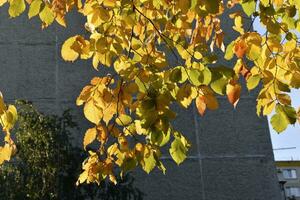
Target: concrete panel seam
{"x":218,"y":157}
{"x":198,"y":151}
{"x":29,"y":43}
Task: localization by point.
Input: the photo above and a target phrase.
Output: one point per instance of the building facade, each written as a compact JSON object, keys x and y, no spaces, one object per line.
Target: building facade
{"x":289,"y":178}
{"x":231,"y":156}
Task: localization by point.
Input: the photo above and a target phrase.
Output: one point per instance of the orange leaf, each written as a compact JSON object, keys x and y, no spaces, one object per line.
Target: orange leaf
{"x":201,"y":105}
{"x":103,"y":133}
{"x":240,"y":48}
{"x":233,"y":91}
{"x":211,"y":102}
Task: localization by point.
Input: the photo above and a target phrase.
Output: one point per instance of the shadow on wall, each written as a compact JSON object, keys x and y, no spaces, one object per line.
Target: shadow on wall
{"x":46,"y":165}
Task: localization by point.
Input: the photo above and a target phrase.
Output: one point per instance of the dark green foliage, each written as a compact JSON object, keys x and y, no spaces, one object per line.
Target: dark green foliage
{"x":46,"y":165}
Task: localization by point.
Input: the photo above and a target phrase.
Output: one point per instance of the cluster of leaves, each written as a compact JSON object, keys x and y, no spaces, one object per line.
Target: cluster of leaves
{"x":168,"y":52}
{"x":46,"y":165}
{"x":8,"y":117}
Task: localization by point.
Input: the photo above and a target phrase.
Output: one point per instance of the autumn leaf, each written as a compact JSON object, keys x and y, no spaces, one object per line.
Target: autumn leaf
{"x":233,"y":91}
{"x":2,"y":104}
{"x":284,"y":116}
{"x":201,"y":105}
{"x":161,"y":53}
{"x":179,"y":148}
{"x":16,"y":7}
{"x":2,"y":2}
{"x":5,"y":153}
{"x":34,"y":8}
{"x":240,"y":48}
{"x":67,"y":52}
{"x":89,"y":137}
{"x":92,"y":112}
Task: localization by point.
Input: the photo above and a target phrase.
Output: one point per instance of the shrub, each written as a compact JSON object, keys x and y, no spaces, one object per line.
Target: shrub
{"x":46,"y":165}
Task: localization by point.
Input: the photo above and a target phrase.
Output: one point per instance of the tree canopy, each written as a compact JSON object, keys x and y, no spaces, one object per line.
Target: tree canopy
{"x":167,"y":52}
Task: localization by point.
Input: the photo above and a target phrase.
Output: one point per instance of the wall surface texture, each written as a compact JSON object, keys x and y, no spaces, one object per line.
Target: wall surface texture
{"x":231,"y":157}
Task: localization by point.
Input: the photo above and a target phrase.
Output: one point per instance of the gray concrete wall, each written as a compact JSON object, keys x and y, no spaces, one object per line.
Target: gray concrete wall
{"x":231,"y":157}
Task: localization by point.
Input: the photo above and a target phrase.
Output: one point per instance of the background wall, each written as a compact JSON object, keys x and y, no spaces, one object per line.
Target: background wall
{"x":231,"y":157}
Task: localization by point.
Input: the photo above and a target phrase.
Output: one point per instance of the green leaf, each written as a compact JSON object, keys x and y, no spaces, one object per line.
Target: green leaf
{"x":249,"y":7}
{"x":279,"y":122}
{"x":229,"y":51}
{"x":149,"y":161}
{"x":175,"y":75}
{"x":16,"y":7}
{"x":160,"y":138}
{"x":141,"y":85}
{"x":128,"y":165}
{"x":194,"y":4}
{"x":178,"y":151}
{"x":295,"y":2}
{"x":194,"y":76}
{"x":273,"y":27}
{"x":123,"y":120}
{"x":265,"y":3}
{"x":253,"y":82}
{"x":206,"y":76}
{"x":220,"y":77}
{"x":178,"y":74}
{"x":219,"y":85}
{"x":284,"y":116}
{"x":179,"y":148}
{"x":34,"y":8}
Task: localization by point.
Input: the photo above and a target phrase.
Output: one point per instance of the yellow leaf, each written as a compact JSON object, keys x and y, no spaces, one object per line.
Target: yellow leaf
{"x":185,"y":95}
{"x":61,"y":20}
{"x":2,"y":104}
{"x":103,"y":133}
{"x":9,"y":118}
{"x":67,"y":53}
{"x":84,"y":95}
{"x":47,"y":16}
{"x":109,"y":112}
{"x":113,"y":179}
{"x":89,"y":137}
{"x":92,"y":112}
{"x":34,"y":8}
{"x":16,"y":7}
{"x":2,"y":2}
{"x":82,"y":177}
{"x":198,"y":55}
{"x":267,"y":109}
{"x":274,"y":45}
{"x":123,"y":120}
{"x":109,"y":3}
{"x":5,"y":153}
{"x":278,"y":3}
